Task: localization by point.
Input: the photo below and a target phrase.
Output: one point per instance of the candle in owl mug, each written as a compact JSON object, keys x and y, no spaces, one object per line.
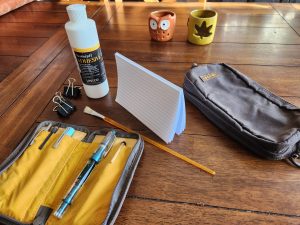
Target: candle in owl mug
{"x":162,"y":25}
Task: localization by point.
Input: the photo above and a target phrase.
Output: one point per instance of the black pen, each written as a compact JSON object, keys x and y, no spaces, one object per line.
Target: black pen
{"x":52,"y":131}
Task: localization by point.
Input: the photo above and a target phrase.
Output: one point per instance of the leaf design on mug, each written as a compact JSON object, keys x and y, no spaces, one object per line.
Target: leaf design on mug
{"x":203,"y":31}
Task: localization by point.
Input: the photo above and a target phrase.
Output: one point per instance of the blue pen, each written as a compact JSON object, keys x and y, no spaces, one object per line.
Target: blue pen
{"x":98,"y":155}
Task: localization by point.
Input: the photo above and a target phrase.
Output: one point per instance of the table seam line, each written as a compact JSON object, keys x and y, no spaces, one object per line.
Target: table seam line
{"x":204,"y":205}
{"x":286,"y":21}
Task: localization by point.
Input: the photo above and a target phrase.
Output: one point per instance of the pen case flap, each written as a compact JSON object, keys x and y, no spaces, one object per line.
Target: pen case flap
{"x":261,"y":121}
{"x":33,"y":182}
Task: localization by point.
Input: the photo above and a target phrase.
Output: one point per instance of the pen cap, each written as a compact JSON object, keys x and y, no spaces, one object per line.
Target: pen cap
{"x":109,"y":144}
{"x":104,"y":146}
{"x":109,"y":138}
{"x":70,"y":131}
{"x":77,"y":12}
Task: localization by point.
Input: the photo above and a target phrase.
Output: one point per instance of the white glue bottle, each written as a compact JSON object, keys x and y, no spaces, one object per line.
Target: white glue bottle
{"x":84,"y":40}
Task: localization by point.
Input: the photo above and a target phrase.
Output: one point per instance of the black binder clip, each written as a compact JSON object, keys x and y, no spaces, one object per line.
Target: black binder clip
{"x":64,"y":108}
{"x":72,"y":91}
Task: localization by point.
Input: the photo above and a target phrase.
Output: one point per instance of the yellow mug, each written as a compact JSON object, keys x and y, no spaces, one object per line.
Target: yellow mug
{"x":201,"y":26}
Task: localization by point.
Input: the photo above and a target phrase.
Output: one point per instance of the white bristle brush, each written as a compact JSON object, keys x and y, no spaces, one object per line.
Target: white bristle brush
{"x":92,"y":112}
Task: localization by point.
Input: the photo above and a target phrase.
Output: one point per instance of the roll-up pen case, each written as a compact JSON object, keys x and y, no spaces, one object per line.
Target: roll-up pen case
{"x":35,"y":180}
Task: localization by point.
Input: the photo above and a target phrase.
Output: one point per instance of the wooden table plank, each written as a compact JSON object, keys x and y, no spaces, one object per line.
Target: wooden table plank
{"x":138,"y":211}
{"x":27,"y":30}
{"x":9,"y":63}
{"x":53,"y":7}
{"x":242,"y":8}
{"x":104,"y":15}
{"x":287,"y":10}
{"x":43,"y":7}
{"x":20,"y":46}
{"x":297,"y":29}
{"x":34,"y":17}
{"x":296,"y":6}
{"x":183,"y":8}
{"x":258,"y":54}
{"x":276,"y":79}
{"x":223,"y":34}
{"x":23,"y":75}
{"x":243,"y":180}
{"x":293,"y":21}
{"x":291,"y":13}
{"x":33,"y":100}
{"x":227,"y":20}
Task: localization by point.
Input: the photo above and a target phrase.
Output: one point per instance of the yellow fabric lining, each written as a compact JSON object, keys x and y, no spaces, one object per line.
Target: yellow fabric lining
{"x":44,"y":177}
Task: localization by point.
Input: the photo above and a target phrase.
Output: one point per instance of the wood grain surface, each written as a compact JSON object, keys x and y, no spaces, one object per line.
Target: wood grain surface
{"x":282,"y":35}
{"x":258,"y":39}
{"x":21,"y":77}
{"x":34,"y":17}
{"x":57,"y":7}
{"x":255,"y":54}
{"x":9,"y":63}
{"x":170,"y":212}
{"x":32,"y":101}
{"x":297,"y":29}
{"x":227,"y":20}
{"x":183,"y":8}
{"x":20,"y":46}
{"x":276,"y":79}
{"x":28,"y":29}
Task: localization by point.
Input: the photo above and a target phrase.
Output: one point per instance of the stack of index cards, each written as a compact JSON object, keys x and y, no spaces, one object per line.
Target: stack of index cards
{"x":156,"y":102}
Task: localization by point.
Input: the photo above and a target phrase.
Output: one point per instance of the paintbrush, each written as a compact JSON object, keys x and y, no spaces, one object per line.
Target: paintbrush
{"x":90,"y":111}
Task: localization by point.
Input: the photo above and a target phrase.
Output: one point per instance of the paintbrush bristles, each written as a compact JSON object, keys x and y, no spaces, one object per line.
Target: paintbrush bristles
{"x":90,"y":111}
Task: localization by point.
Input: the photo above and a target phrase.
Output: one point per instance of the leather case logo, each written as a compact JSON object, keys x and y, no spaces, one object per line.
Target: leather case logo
{"x":208,"y":76}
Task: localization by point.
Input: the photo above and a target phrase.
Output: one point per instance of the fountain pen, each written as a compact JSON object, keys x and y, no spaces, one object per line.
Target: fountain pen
{"x":98,"y":155}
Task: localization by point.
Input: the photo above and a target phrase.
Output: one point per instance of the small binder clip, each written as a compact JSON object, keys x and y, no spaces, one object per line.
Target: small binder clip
{"x":71,"y":91}
{"x":64,"y":108}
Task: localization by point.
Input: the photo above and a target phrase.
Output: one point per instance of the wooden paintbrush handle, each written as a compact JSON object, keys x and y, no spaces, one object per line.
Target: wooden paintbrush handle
{"x":162,"y":147}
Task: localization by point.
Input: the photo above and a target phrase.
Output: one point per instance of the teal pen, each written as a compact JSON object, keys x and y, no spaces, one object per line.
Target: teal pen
{"x":98,"y":155}
{"x":69,"y":131}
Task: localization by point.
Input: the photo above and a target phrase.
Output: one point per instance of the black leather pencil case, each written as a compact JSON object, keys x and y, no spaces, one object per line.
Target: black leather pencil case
{"x":246,"y":111}
{"x":36,"y":177}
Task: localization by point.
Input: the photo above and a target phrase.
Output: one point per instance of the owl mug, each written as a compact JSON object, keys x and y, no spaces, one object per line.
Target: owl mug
{"x":162,"y":25}
{"x":201,"y":26}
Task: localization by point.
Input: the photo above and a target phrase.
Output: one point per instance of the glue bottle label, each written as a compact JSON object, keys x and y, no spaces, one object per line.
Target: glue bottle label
{"x":91,"y":65}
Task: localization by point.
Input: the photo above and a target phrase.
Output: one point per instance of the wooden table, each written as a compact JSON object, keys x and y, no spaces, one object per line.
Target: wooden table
{"x":261,"y":40}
